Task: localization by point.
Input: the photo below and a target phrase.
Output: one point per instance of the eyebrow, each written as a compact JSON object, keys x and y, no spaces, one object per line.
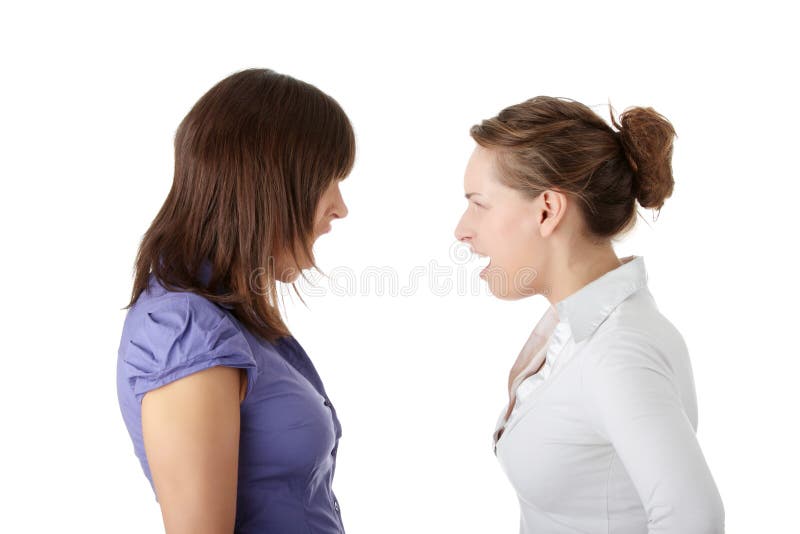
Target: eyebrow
{"x":470,"y":194}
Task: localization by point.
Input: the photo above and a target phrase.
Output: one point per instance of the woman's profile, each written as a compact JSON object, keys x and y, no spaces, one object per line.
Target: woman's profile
{"x":226,"y":412}
{"x":599,"y":431}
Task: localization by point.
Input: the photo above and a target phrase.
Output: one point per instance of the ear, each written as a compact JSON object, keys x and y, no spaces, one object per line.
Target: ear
{"x":551,"y":210}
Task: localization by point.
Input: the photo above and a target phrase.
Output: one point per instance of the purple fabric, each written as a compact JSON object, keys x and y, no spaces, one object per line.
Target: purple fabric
{"x":289,"y":428}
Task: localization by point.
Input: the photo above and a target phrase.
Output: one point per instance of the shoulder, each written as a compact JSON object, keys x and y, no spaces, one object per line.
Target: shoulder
{"x":173,"y":334}
{"x":173,"y":309}
{"x":637,"y":329}
{"x":636,"y":356}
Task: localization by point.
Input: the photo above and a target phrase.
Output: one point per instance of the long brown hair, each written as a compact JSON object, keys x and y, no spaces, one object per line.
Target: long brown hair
{"x":252,"y":159}
{"x":560,"y":144}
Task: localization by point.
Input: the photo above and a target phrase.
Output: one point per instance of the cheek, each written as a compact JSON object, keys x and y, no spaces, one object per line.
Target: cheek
{"x":319,"y":215}
{"x":515,"y":240}
{"x":320,"y":220}
{"x":325,"y":205}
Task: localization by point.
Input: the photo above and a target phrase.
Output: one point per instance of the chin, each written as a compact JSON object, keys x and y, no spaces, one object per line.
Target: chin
{"x":506,"y":287}
{"x":507,"y":295}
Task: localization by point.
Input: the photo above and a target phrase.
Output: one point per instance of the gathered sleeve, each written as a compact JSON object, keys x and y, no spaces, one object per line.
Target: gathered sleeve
{"x":632,"y":395}
{"x":182,"y":335}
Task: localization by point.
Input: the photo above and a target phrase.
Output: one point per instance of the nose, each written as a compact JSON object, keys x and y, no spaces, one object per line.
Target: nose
{"x":340,"y":210}
{"x":462,"y":233}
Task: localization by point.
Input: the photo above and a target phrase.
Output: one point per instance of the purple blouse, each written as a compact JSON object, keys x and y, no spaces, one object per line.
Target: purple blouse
{"x":289,"y":430}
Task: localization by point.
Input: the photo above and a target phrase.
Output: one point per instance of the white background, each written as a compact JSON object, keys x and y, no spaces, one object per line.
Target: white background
{"x":91,"y":95}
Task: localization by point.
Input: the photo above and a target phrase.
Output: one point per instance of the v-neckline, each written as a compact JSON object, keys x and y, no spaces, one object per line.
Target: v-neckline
{"x":534,"y":396}
{"x":535,"y":348}
{"x":545,"y":331}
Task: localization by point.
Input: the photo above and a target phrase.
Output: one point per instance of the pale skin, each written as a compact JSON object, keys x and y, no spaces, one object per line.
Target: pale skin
{"x":191,"y":426}
{"x":536,"y":245}
{"x":331,"y":206}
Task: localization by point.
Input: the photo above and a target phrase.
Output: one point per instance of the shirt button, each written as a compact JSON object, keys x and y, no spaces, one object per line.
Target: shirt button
{"x":336,"y":505}
{"x":327,"y":403}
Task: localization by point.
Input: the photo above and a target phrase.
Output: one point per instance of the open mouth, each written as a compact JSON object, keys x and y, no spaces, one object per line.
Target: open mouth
{"x":485,"y":270}
{"x":485,"y":263}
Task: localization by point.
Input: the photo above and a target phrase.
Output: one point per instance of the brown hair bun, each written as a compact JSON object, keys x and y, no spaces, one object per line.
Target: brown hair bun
{"x":646,"y":138}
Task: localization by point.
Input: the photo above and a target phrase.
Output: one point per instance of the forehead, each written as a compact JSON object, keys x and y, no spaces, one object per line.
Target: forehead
{"x":480,"y":169}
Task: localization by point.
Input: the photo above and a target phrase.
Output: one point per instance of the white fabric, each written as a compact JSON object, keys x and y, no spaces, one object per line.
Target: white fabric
{"x":602,"y":439}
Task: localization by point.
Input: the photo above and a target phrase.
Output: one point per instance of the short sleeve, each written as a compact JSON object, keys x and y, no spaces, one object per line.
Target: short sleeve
{"x":631,"y":392}
{"x":180,"y":336}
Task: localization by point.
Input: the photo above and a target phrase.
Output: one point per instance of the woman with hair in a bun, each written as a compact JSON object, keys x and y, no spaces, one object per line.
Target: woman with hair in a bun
{"x":599,"y":431}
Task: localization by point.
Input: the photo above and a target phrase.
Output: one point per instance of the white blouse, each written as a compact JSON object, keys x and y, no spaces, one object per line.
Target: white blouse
{"x":602,"y":437}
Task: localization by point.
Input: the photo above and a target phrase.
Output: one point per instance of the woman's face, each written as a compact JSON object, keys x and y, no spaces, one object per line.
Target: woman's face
{"x":501,"y":224}
{"x":331,"y":206}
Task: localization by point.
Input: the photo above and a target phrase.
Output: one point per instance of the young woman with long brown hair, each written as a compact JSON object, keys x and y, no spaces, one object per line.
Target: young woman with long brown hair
{"x":228,"y":417}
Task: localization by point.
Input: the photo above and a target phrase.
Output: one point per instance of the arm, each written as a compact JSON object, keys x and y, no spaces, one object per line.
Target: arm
{"x":191,"y":437}
{"x":631,"y":392}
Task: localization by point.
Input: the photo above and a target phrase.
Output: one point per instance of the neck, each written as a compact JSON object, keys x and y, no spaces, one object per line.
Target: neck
{"x":573,"y":269}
